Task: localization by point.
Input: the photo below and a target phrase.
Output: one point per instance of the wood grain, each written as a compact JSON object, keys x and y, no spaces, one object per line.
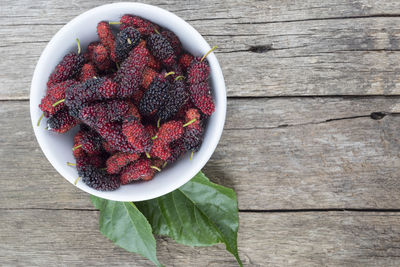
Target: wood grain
{"x":266,"y":48}
{"x":71,"y":238}
{"x":280,"y":153}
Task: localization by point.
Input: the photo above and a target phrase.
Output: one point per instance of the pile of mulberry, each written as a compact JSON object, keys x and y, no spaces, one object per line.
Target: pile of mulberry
{"x":139,"y":99}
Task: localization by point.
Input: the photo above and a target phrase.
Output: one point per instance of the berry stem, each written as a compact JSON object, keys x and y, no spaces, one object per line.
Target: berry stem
{"x":79,"y":46}
{"x":191,"y":155}
{"x":158,"y":122}
{"x":165,"y":164}
{"x":189,"y":122}
{"x":77,"y":180}
{"x":156,"y":31}
{"x":71,"y":164}
{"x":103,"y":169}
{"x":40,"y":119}
{"x":116,"y":64}
{"x":180,"y":77}
{"x":58,"y":102}
{"x":156,"y":168}
{"x":154,"y":137}
{"x":169,"y":73}
{"x":114,"y":22}
{"x":76,"y":147}
{"x":147,"y":155}
{"x":129,"y":41}
{"x":212,"y":49}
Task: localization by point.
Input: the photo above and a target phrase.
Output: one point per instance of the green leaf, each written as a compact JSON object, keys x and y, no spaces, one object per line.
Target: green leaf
{"x":125,"y":225}
{"x":200,"y":213}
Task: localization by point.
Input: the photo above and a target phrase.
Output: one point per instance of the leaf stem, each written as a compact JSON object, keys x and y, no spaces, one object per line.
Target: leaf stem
{"x":189,"y":122}
{"x":212,"y":49}
{"x":40,"y":119}
{"x":58,"y":102}
{"x":76,"y":147}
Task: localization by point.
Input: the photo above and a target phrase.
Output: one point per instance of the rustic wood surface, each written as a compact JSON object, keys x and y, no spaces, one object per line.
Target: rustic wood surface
{"x":311,"y":143}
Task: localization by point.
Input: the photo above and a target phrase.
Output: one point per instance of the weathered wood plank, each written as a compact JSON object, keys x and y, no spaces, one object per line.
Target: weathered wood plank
{"x":281,"y":153}
{"x":68,"y":237}
{"x":314,"y":48}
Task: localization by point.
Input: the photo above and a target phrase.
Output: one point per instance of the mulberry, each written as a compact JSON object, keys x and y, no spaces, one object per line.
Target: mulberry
{"x":126,"y":39}
{"x":160,"y":149}
{"x":185,"y":60}
{"x":119,"y":160}
{"x":130,"y":75}
{"x":173,"y":41}
{"x":144,"y":26}
{"x":78,"y":152}
{"x":106,"y":37}
{"x":175,"y":99}
{"x":170,"y":131}
{"x":161,"y":49}
{"x":79,"y":95}
{"x":98,"y":179}
{"x":137,"y":135}
{"x":98,"y":113}
{"x":69,"y":67}
{"x":154,"y":97}
{"x":91,"y":143}
{"x":201,"y":98}
{"x":148,"y":76}
{"x":136,"y":171}
{"x":88,"y":71}
{"x":112,"y":133}
{"x":198,"y":71}
{"x":177,"y":150}
{"x":101,"y":58}
{"x":192,"y":138}
{"x":61,"y":122}
{"x":54,"y":94}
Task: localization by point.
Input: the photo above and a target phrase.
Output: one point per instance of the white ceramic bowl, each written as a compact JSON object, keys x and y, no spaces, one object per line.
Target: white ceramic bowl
{"x":57,"y":147}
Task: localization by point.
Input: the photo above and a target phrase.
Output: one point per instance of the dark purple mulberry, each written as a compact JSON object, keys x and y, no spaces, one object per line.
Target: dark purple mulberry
{"x":192,"y":138}
{"x":61,"y":122}
{"x":161,"y":49}
{"x":154,"y":97}
{"x":99,"y":179}
{"x":173,"y":41}
{"x":176,"y":98}
{"x":69,"y":67}
{"x":126,"y":40}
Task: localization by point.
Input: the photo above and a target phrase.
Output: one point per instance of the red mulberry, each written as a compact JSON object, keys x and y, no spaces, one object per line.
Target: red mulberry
{"x":98,"y":113}
{"x":198,"y":71}
{"x":137,"y":135}
{"x":201,"y":98}
{"x":101,"y":58}
{"x":88,"y":71}
{"x":129,"y":76}
{"x":136,"y":171}
{"x":119,"y":160}
{"x":185,"y":60}
{"x":106,"y":37}
{"x":144,"y":26}
{"x":170,"y":131}
{"x":54,"y":94}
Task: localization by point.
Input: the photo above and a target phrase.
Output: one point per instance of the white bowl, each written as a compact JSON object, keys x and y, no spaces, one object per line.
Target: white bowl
{"x":57,"y":147}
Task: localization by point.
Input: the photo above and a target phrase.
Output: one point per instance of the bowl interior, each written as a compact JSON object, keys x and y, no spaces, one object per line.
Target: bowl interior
{"x":57,"y":148}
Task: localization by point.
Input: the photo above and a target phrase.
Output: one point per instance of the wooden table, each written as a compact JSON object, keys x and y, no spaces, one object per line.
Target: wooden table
{"x":311,"y":143}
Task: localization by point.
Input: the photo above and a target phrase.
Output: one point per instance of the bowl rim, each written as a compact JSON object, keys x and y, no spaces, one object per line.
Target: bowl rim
{"x":215,"y":71}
